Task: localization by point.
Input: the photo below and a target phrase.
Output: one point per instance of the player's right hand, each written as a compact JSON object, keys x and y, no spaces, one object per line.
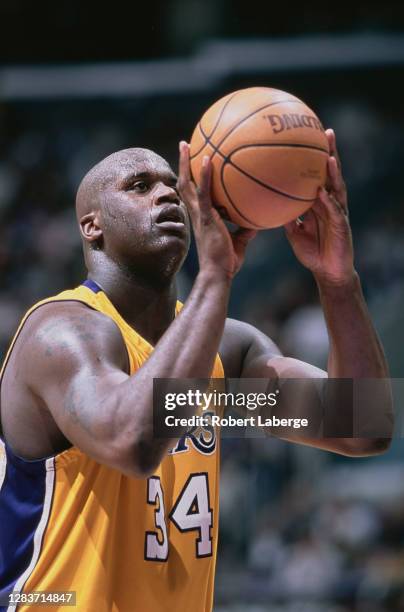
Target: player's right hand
{"x":220,"y":251}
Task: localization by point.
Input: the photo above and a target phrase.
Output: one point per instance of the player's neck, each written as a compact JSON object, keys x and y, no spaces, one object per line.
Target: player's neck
{"x":148,"y":308}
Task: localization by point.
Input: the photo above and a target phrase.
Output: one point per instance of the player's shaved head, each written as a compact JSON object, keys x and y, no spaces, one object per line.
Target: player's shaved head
{"x":117,"y":205}
{"x":109,"y":170}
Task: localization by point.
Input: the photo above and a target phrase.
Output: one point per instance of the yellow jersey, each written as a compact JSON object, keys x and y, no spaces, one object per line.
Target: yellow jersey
{"x":121,"y":544}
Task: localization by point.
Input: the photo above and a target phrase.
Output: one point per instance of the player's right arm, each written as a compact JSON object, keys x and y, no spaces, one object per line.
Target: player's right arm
{"x":78,"y":372}
{"x":77,"y":357}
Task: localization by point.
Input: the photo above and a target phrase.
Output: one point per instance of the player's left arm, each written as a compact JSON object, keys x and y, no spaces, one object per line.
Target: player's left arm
{"x":323,"y":243}
{"x":261,"y":359}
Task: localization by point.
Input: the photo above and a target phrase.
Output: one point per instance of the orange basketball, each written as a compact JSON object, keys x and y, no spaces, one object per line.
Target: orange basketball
{"x":269,"y":154}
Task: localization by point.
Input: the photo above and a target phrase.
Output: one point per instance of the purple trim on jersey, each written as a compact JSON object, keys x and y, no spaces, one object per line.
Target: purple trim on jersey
{"x":21,"y":505}
{"x":92,"y":285}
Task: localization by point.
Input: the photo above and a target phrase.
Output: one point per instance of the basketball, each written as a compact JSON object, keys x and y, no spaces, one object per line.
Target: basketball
{"x":269,"y":156}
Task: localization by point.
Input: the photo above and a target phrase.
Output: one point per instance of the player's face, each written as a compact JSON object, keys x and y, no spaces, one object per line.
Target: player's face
{"x":144,"y":221}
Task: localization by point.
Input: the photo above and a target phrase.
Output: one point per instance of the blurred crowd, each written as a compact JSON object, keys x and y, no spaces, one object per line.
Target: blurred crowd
{"x":301,"y":531}
{"x":304,"y":531}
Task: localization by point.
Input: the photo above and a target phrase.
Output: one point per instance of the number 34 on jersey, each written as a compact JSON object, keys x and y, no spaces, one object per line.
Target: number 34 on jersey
{"x":191,"y":512}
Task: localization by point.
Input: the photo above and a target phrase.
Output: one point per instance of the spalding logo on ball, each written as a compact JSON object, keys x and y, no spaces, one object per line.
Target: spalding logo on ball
{"x":269,"y":155}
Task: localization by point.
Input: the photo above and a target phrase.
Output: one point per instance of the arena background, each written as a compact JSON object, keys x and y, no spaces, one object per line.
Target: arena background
{"x":301,"y":530}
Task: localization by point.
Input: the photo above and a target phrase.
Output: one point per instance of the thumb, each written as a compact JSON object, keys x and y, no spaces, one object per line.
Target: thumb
{"x":241,"y":239}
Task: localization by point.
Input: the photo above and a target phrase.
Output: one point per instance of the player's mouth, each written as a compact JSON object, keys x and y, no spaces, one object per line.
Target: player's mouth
{"x":172,"y":218}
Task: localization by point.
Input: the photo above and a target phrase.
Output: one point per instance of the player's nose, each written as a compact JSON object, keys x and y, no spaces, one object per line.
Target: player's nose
{"x":166,"y":193}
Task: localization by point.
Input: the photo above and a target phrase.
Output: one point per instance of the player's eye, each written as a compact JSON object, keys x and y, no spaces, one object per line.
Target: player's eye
{"x":140,"y":186}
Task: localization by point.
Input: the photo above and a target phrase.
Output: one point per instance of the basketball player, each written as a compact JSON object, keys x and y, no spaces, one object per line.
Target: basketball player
{"x":91,"y":502}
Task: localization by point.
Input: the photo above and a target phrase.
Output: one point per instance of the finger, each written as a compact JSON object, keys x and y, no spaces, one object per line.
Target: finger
{"x":336,"y":183}
{"x":334,"y":208}
{"x":298,"y":224}
{"x":184,"y":169}
{"x":294,"y":227}
{"x":307,"y":225}
{"x":223,"y":212}
{"x":244,"y":234}
{"x":241,"y":239}
{"x":318,"y":215}
{"x":332,"y":143}
{"x":186,"y":186}
{"x":205,"y":202}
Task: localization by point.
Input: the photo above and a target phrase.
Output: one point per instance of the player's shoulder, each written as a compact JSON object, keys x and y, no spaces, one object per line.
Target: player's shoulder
{"x":70,"y":327}
{"x":240,"y":341}
{"x":68,"y":317}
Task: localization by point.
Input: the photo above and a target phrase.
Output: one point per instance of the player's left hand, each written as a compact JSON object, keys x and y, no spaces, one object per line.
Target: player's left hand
{"x":322,"y":241}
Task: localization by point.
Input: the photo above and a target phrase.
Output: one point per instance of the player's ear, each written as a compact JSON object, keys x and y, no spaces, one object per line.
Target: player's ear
{"x":90,"y":226}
